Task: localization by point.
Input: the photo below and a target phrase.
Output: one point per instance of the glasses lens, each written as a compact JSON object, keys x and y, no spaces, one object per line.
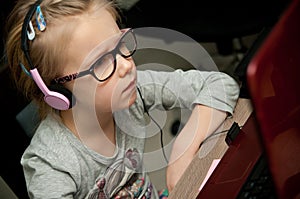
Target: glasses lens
{"x":127,"y":44}
{"x":104,"y":67}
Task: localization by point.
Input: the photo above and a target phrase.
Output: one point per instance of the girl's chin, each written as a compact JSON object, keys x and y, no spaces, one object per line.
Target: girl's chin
{"x":132,"y":98}
{"x":123,"y":105}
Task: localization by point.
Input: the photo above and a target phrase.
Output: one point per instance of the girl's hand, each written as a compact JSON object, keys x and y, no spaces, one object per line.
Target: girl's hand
{"x":176,"y":169}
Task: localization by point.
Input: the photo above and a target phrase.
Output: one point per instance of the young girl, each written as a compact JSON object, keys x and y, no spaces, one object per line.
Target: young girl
{"x":73,"y":60}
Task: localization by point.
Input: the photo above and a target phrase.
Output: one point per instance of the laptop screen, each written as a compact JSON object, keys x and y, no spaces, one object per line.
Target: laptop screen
{"x":272,"y":78}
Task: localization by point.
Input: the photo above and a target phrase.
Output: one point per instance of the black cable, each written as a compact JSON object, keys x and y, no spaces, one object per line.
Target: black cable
{"x":216,"y":133}
{"x":160,"y":129}
{"x":161,"y":137}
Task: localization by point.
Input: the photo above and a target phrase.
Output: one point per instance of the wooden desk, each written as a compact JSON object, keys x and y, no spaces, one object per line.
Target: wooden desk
{"x":214,"y":148}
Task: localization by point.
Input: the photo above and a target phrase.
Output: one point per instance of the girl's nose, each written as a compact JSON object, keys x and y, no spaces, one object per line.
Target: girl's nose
{"x":124,"y":65}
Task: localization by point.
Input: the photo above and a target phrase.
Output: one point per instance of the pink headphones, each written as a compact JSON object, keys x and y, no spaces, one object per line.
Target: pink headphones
{"x":56,"y":95}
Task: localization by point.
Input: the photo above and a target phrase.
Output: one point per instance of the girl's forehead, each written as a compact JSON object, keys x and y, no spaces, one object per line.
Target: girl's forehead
{"x":89,"y":32}
{"x":92,"y":29}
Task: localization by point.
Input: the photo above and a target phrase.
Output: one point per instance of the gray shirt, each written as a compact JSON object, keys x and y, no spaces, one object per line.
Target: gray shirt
{"x":57,"y":165}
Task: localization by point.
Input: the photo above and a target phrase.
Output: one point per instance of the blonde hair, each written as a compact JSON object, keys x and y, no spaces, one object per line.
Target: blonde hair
{"x":47,"y":48}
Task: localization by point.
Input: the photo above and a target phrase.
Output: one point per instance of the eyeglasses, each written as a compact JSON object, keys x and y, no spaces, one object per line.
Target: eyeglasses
{"x":105,"y":66}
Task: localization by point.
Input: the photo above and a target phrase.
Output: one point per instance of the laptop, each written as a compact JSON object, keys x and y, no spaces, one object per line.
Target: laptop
{"x":263,"y":160}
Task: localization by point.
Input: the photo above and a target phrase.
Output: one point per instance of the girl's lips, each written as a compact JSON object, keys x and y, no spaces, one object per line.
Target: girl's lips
{"x":130,"y":86}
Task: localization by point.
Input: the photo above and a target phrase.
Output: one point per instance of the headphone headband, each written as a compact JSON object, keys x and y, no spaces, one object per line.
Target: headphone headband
{"x":58,"y":97}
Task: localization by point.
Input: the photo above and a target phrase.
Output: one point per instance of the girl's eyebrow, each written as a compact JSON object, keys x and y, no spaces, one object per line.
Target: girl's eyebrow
{"x":99,"y":50}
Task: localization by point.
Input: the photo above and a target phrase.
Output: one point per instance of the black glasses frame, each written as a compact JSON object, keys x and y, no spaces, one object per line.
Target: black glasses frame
{"x":91,"y":71}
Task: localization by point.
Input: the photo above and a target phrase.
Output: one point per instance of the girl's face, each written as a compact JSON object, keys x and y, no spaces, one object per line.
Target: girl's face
{"x":96,"y":34}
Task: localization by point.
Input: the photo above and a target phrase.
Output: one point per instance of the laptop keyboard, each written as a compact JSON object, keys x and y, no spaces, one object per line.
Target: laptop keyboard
{"x":259,"y":184}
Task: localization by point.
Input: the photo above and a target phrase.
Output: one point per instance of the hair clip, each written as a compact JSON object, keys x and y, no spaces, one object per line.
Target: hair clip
{"x":30,"y":32}
{"x":40,"y":20}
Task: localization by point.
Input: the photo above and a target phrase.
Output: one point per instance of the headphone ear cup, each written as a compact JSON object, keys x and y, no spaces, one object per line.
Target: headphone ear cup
{"x":64,"y":91}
